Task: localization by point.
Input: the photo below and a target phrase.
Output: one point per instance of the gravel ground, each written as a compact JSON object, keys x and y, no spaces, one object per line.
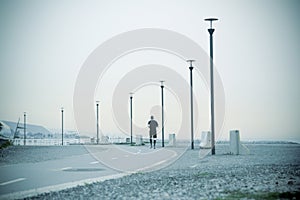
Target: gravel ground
{"x":267,"y":172}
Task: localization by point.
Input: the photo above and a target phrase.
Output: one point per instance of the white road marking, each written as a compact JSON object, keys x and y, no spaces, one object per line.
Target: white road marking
{"x":65,"y":168}
{"x":114,"y":158}
{"x":193,"y":166}
{"x":95,"y":162}
{"x":12,"y":181}
{"x":126,"y":156}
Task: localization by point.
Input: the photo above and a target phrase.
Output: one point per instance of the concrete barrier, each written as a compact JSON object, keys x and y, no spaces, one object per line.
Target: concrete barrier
{"x":235,"y":142}
{"x":139,"y":140}
{"x":172,"y":139}
{"x":205,"y":140}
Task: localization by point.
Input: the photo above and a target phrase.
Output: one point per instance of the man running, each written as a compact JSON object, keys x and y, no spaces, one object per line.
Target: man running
{"x":152,"y":124}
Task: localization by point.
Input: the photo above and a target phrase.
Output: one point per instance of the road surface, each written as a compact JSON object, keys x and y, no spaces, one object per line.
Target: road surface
{"x":98,"y":163}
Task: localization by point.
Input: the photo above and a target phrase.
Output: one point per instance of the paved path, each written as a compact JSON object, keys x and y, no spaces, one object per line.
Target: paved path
{"x":126,"y":158}
{"x":46,"y":174}
{"x":96,"y":164}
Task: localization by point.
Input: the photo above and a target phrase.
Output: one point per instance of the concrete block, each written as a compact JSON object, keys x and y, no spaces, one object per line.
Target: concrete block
{"x":172,"y":139}
{"x":235,"y":142}
{"x":139,"y":140}
{"x":205,"y":140}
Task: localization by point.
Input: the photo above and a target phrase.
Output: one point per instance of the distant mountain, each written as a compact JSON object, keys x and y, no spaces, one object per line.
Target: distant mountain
{"x":9,"y":130}
{"x":6,"y":132}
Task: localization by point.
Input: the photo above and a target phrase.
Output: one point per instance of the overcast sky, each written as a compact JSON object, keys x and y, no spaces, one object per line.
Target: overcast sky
{"x":256,"y":51}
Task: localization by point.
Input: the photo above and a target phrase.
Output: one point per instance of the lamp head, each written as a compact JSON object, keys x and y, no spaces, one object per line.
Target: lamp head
{"x":211,"y":20}
{"x":191,"y":62}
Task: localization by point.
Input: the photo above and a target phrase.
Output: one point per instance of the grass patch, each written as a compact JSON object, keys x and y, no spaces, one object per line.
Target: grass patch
{"x":263,"y":195}
{"x":6,"y":144}
{"x":203,"y":174}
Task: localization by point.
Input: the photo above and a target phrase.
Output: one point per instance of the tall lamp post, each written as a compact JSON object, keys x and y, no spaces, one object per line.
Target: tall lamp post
{"x":212,"y":109}
{"x":131,"y":97}
{"x":162,"y":115}
{"x":62,"y":126}
{"x":192,"y":115}
{"x":24,"y":128}
{"x":97,"y":107}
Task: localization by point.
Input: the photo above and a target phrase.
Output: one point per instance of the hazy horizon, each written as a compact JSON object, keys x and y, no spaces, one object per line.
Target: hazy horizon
{"x":256,"y":47}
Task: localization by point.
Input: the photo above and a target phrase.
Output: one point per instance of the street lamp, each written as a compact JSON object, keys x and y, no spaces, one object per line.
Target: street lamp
{"x":131,"y":97}
{"x":62,"y":126}
{"x":24,"y":128}
{"x":97,"y":106}
{"x":192,"y":116}
{"x":162,"y":114}
{"x":212,"y":109}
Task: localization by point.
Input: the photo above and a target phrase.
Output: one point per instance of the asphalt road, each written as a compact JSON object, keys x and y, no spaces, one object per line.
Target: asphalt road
{"x":96,"y":164}
{"x":129,"y":159}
